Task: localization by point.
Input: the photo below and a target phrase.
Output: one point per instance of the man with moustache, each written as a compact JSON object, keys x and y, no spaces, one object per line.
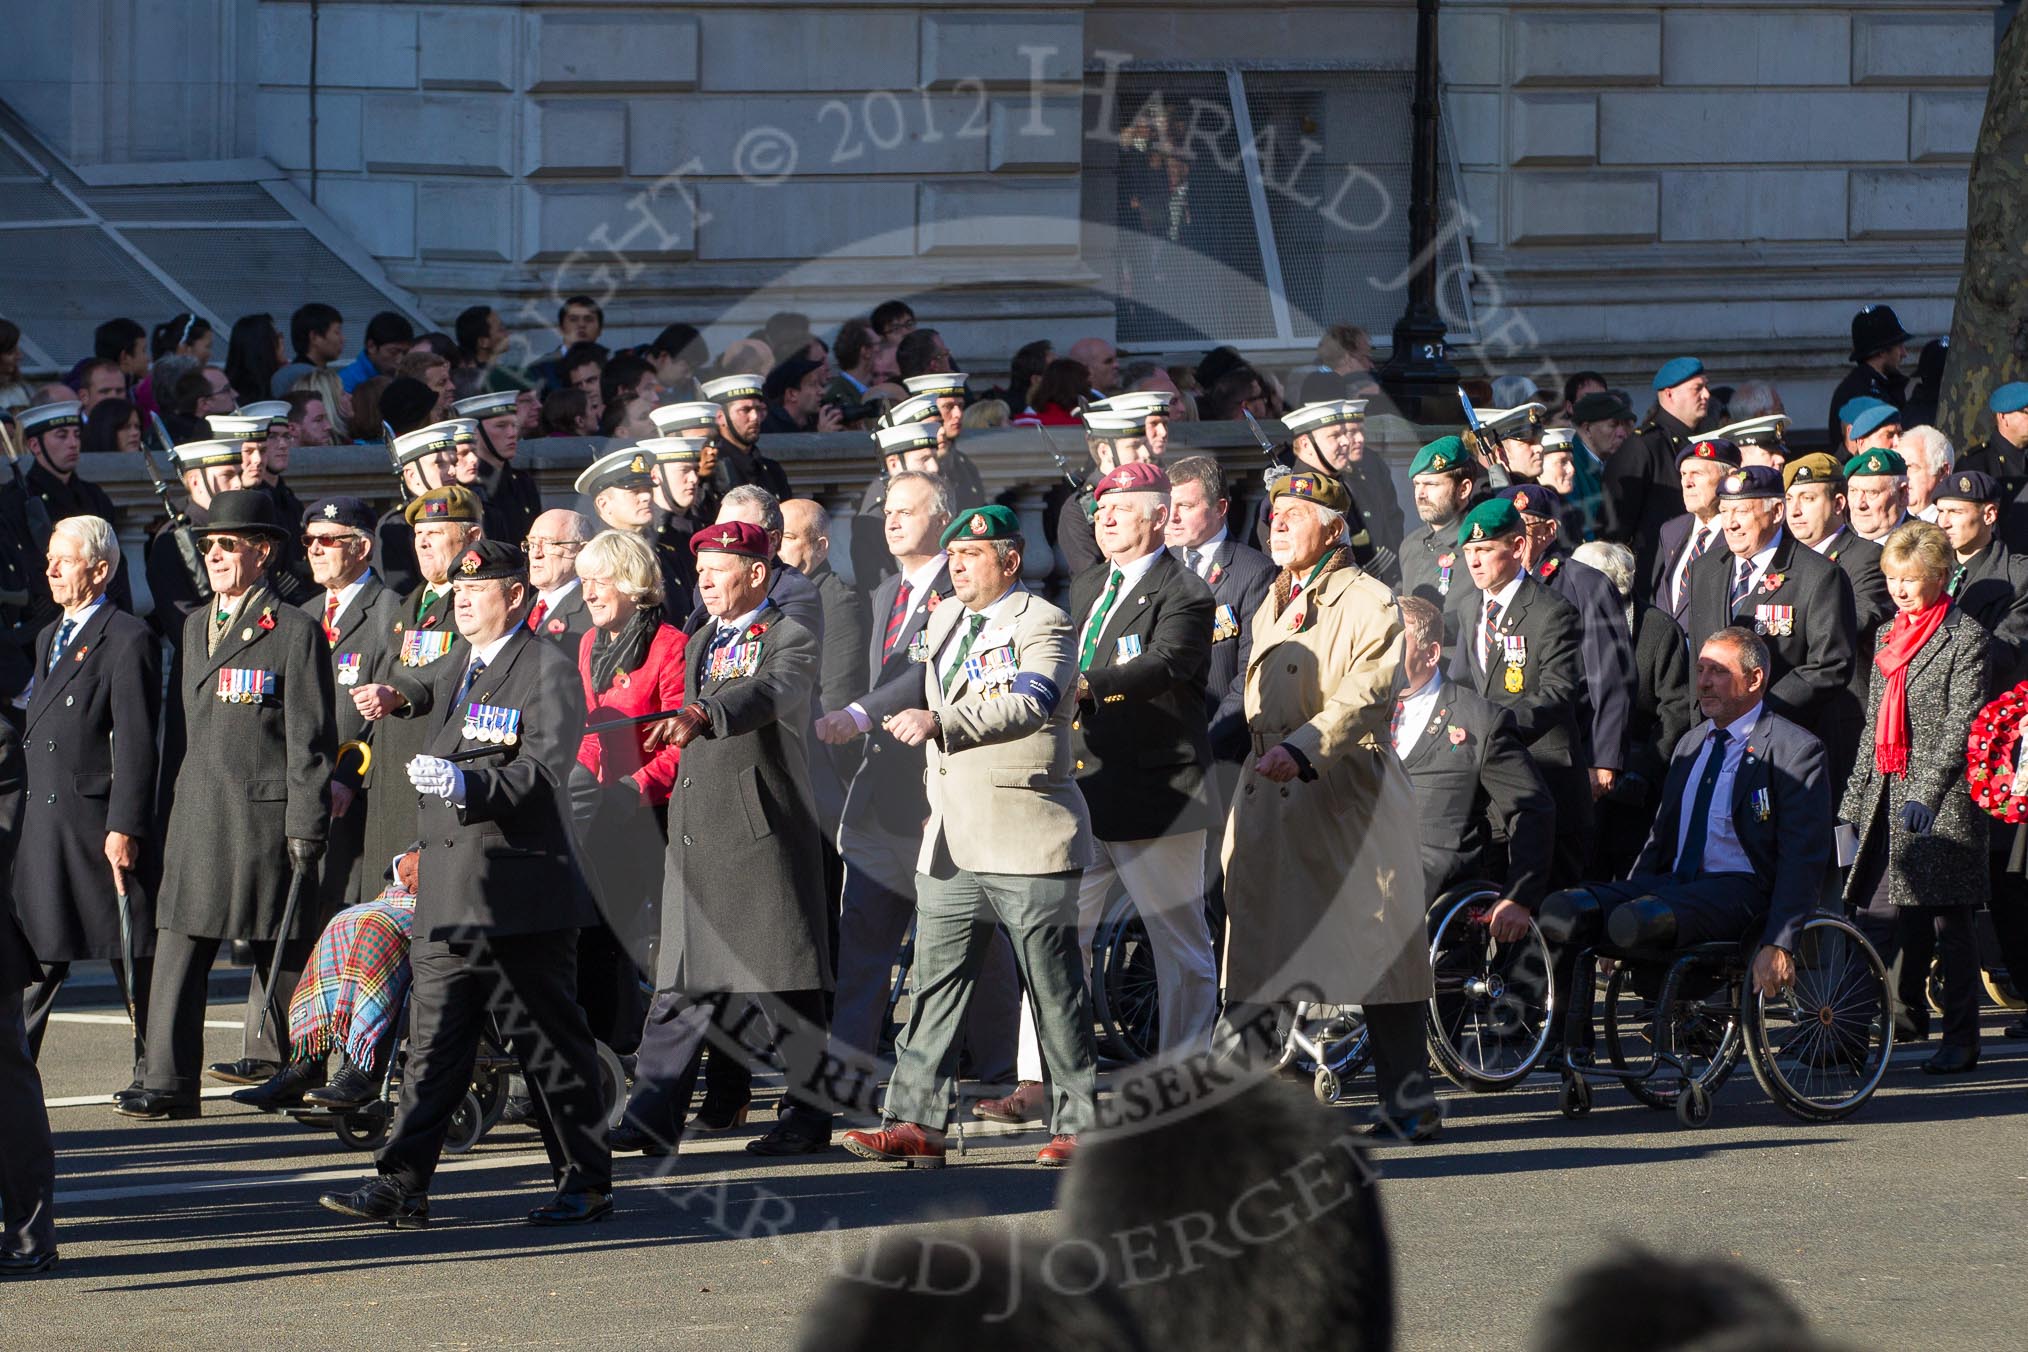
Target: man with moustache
{"x":1442,"y":478}
{"x":1701,"y":466}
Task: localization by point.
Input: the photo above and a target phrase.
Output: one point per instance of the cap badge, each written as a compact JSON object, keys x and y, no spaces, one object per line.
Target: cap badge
{"x":330,"y":511}
{"x":638,"y":465}
{"x":436,"y":507}
{"x":1478,"y":531}
{"x":470,"y":563}
{"x":1520,"y":502}
{"x":1964,"y":484}
{"x":1734,"y":482}
{"x":980,"y":525}
{"x":1440,"y":461}
{"x":1704,"y":450}
{"x":726,"y":537}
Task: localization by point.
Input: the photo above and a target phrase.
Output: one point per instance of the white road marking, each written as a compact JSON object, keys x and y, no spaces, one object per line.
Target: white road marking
{"x":123,"y":1021}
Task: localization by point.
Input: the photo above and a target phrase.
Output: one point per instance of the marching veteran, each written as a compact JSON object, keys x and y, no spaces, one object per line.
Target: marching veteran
{"x":252,"y":804}
{"x":1323,"y":873}
{"x":1007,"y":840}
{"x":499,"y":903}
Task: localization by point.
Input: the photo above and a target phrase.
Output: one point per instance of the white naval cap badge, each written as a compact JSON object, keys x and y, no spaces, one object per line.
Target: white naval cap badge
{"x":330,"y":511}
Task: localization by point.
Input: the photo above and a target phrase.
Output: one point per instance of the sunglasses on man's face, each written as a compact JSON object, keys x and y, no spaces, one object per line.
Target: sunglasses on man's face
{"x":225,"y":544}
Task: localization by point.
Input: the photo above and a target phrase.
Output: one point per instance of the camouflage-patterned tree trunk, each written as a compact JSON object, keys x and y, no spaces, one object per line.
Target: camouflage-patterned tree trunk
{"x":1989,"y":333}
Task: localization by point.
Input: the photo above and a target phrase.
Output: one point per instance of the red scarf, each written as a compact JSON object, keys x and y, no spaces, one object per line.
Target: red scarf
{"x":1904,"y":640}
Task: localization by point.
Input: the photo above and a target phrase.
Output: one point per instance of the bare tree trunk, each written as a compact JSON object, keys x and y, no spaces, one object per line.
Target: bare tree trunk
{"x":1989,"y":332}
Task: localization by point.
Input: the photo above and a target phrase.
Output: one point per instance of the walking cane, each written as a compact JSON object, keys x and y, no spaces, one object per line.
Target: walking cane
{"x":271,"y":1009}
{"x":127,"y":954}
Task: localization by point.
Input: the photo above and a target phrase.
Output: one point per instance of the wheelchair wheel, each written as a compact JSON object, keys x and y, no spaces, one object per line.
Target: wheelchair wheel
{"x":489,"y":1087}
{"x":1123,"y":973}
{"x":468,"y":1124}
{"x":612,"y":1084}
{"x":1340,"y":1030}
{"x":2000,"y":986}
{"x":1573,"y":1098}
{"x":1630,"y":1037}
{"x":1698,"y":1025}
{"x":365,"y":1129}
{"x":1821,"y":1048}
{"x":1489,"y":1021}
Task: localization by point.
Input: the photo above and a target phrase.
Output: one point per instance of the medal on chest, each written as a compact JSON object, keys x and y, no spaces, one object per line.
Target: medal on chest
{"x":420,"y":647}
{"x":491,"y":723}
{"x":1126,"y":649}
{"x":734,"y":659}
{"x":1224,"y":624}
{"x":1774,"y":621}
{"x":1514,"y":650}
{"x":347,"y":669}
{"x":1445,"y":562}
{"x":918,"y":647}
{"x":244,"y":685}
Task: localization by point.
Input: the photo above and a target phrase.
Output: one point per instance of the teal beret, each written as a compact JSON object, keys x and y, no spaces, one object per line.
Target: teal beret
{"x":1875,"y":462}
{"x":1849,"y":411}
{"x":1677,"y":370}
{"x":1440,"y":457}
{"x":991,"y":522}
{"x":2009,"y":398}
{"x":1873,"y":419}
{"x":1490,"y":520}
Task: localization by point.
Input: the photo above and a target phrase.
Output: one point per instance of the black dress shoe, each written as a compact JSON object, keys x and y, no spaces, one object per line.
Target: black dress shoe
{"x":716,"y":1114}
{"x":154,"y":1105}
{"x":350,"y":1089}
{"x":1415,"y":1130}
{"x":627,"y":1138}
{"x":1952,"y":1059}
{"x":382,"y":1200}
{"x":2017,"y":1030}
{"x":573,"y":1208}
{"x":797,"y":1133}
{"x":128,"y":1092}
{"x":246,"y":1070}
{"x":519,"y":1111}
{"x":284,"y":1089}
{"x":27,"y":1264}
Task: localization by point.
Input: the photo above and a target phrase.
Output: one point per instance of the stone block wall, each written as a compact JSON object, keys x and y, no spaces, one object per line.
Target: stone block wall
{"x":1732,"y":179}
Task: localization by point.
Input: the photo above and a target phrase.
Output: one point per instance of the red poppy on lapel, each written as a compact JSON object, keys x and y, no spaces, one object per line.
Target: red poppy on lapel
{"x":1773,"y":582}
{"x":267,"y":619}
{"x":556,"y":626}
{"x":80,"y":654}
{"x":1457,"y":735}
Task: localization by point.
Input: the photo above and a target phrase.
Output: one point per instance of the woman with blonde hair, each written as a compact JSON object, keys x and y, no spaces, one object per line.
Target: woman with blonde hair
{"x":1921,"y":872}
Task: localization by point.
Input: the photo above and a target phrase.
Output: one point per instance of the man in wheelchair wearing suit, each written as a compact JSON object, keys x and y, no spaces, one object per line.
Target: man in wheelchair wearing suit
{"x":1743,"y":834}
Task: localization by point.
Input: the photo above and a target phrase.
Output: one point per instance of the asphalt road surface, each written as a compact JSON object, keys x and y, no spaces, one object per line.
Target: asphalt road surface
{"x":1902,"y":1228}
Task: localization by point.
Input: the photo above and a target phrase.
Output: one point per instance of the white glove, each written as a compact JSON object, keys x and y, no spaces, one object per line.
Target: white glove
{"x":433,"y":775}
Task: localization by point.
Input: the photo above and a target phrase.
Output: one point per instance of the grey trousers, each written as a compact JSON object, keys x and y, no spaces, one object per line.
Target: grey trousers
{"x":176,"y":1003}
{"x":879,"y":904}
{"x":40,"y":1000}
{"x":955,"y":913}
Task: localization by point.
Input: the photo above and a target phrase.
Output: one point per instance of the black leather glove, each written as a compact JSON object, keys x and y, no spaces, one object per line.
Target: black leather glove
{"x":303,"y":853}
{"x":1916,"y":819}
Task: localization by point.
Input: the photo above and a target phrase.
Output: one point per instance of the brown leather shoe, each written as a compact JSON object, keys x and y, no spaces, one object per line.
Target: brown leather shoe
{"x":902,"y":1143}
{"x":1060,"y":1151}
{"x":1023,"y":1105}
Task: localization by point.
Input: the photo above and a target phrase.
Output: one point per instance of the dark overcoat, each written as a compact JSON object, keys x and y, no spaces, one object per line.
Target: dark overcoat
{"x":89,"y":733}
{"x":744,"y":906}
{"x":390,"y":825}
{"x":359,"y":653}
{"x":253,"y":774}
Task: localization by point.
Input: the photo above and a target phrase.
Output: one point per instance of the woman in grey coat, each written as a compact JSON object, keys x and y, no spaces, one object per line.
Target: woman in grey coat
{"x":1920,"y":875}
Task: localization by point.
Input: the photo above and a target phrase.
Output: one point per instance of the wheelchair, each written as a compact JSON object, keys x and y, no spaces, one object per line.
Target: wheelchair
{"x":367,"y":1127}
{"x":1492,"y":1016}
{"x":1676,"y":1022}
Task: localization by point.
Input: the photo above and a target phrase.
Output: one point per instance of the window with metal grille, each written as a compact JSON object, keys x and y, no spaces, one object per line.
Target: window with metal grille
{"x":1257,"y":207}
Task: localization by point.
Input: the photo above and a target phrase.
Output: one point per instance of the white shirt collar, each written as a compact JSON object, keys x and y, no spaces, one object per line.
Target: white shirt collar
{"x":1505,"y":595}
{"x":742,"y":621}
{"x":556,"y":595}
{"x":919,"y":581}
{"x":82,"y":613}
{"x":491,"y":650}
{"x":1430,"y":688}
{"x":350,"y":590}
{"x":1132,"y":573}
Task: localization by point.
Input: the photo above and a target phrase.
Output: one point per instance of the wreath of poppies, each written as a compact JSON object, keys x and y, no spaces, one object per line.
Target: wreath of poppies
{"x":1989,"y":756}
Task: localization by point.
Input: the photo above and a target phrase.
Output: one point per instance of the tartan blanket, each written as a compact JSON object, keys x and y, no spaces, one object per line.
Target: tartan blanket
{"x":356,"y":981}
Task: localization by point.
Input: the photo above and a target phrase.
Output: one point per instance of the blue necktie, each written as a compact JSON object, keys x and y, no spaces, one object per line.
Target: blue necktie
{"x":63,"y":634}
{"x":472,"y":674}
{"x":1690,"y":863}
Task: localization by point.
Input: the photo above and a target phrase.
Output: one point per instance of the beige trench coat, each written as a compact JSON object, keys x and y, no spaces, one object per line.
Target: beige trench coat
{"x":1323,"y":879}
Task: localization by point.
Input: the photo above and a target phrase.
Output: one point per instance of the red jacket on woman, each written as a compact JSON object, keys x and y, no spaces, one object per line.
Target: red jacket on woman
{"x":658,"y":684}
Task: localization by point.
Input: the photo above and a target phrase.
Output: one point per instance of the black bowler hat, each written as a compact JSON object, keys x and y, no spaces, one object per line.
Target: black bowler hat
{"x":243,"y":511}
{"x":1874,"y":330}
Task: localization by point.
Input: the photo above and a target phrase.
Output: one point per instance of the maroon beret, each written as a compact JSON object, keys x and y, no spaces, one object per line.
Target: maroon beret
{"x":733,"y":537}
{"x":1136,"y":476}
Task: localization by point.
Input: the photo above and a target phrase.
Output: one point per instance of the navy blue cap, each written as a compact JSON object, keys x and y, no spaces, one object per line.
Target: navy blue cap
{"x":1533,"y":499}
{"x":1677,"y":370}
{"x":1966,"y":485}
{"x":2009,"y":398}
{"x":1752,"y":481}
{"x":1713,"y":450}
{"x":352,"y":513}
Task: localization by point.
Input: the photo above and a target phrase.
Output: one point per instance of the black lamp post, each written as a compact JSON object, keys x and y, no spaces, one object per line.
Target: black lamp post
{"x":1419,"y":376}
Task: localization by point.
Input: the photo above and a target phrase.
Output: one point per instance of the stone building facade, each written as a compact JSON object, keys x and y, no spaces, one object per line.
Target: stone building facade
{"x":1626,"y":180}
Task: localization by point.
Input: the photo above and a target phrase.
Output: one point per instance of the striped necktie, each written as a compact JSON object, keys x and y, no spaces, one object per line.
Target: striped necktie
{"x":1741,"y":577}
{"x":1097,"y":626}
{"x":955,"y":675}
{"x":63,"y":634}
{"x":895,"y":618}
{"x":1700,"y":543}
{"x":1490,"y":642}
